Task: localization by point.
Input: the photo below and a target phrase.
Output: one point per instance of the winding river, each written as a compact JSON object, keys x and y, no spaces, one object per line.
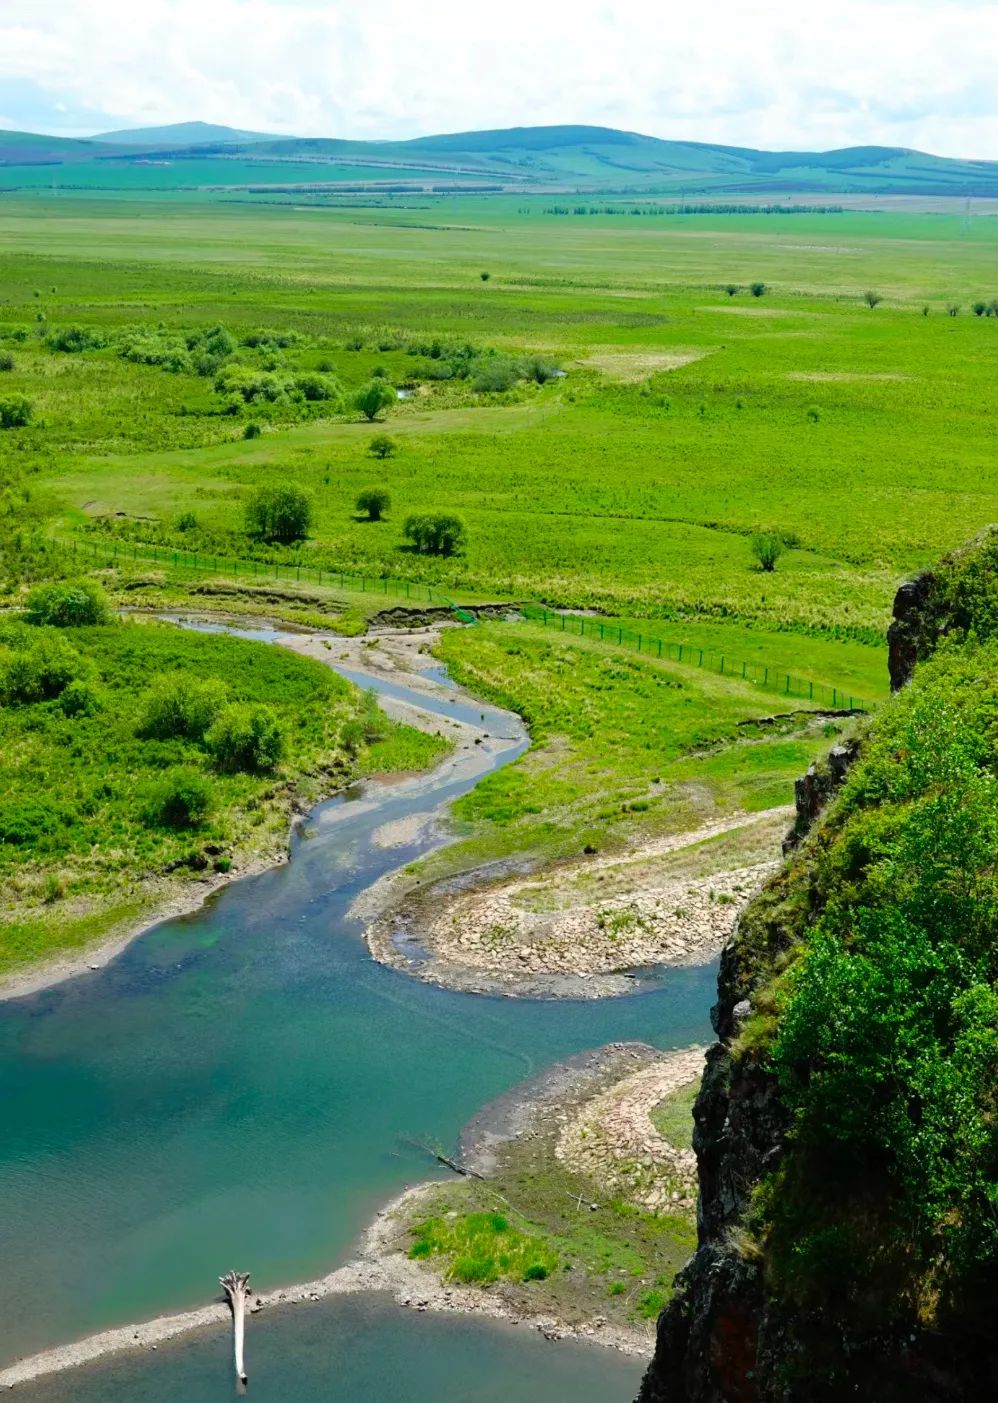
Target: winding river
{"x":235,"y":1089}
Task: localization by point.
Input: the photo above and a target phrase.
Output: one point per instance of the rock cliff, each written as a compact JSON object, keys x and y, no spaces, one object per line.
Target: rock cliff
{"x":841,"y":1254}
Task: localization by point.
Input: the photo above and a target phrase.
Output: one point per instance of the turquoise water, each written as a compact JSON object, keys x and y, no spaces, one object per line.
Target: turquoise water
{"x":357,"y":1351}
{"x":235,"y":1089}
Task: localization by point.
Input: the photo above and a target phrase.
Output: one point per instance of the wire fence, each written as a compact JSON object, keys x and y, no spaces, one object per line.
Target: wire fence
{"x":768,"y":677}
{"x":111,"y":551}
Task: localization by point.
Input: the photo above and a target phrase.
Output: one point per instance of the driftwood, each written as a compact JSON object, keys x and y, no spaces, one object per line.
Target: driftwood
{"x":437,"y":1153}
{"x":236,"y":1287}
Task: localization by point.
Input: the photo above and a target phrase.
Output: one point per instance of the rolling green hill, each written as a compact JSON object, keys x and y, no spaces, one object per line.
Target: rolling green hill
{"x":581,"y":159}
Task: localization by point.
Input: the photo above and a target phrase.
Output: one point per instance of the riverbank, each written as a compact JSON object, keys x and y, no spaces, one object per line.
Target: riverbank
{"x":579,"y":929}
{"x":530,"y":1118}
{"x":472,"y":751}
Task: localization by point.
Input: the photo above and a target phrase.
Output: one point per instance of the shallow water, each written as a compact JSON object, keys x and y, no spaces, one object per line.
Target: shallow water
{"x":357,"y":1350}
{"x":235,"y":1088}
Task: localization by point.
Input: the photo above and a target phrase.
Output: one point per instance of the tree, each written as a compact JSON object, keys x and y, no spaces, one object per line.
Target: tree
{"x":15,"y":413}
{"x":872,"y":299}
{"x":381,"y":446}
{"x":70,"y":604}
{"x":953,"y":310}
{"x":281,"y":514}
{"x":435,"y":533}
{"x":767,"y":548}
{"x":373,"y":397}
{"x":980,"y":308}
{"x":6,"y":360}
{"x":758,"y":289}
{"x":485,"y":277}
{"x":183,"y":798}
{"x":731,"y":289}
{"x":375,"y":501}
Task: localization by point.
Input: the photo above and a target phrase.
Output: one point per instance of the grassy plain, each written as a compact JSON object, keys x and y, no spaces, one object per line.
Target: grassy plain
{"x":686,"y":420}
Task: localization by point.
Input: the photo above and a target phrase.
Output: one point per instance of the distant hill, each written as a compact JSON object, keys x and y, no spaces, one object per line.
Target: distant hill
{"x":183,"y":134}
{"x":584,"y":160}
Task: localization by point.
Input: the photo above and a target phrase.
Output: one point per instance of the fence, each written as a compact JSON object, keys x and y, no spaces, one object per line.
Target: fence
{"x":111,"y":551}
{"x":770,"y":678}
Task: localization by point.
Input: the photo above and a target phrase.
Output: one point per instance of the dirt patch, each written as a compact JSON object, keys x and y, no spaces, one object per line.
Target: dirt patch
{"x":639,"y":365}
{"x":831,"y":377}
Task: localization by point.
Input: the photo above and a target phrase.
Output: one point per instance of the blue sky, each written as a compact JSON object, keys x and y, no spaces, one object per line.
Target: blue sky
{"x":807,"y":75}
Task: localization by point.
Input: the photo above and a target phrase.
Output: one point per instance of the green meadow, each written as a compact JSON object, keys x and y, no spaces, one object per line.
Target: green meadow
{"x":687,"y":416}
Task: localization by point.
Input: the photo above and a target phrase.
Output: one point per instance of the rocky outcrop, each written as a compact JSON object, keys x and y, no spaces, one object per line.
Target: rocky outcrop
{"x":912,"y":632}
{"x":815,"y":788}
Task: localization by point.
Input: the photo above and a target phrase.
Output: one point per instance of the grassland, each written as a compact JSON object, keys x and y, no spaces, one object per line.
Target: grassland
{"x":85,"y":845}
{"x":686,"y":420}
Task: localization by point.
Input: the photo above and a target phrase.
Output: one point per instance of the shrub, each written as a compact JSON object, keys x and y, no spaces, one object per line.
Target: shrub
{"x":537,"y":1271}
{"x":181,"y":707}
{"x":69,"y":604}
{"x":373,"y":397}
{"x":731,"y":289}
{"x":279,"y":514}
{"x":74,"y":339}
{"x":79,"y":698}
{"x":15,"y":413}
{"x":187,"y":521}
{"x":872,"y":299}
{"x":979,"y":308}
{"x":25,"y":821}
{"x":375,"y":501}
{"x":953,"y":310}
{"x":316,"y":387}
{"x":485,"y":276}
{"x":183,"y":798}
{"x":495,"y":373}
{"x":6,"y":360}
{"x":252,"y":431}
{"x":381,"y":446}
{"x":758,"y":289}
{"x":246,"y":738}
{"x":435,"y":533}
{"x":767,"y":548}
{"x":539,"y":369}
{"x":39,"y":672}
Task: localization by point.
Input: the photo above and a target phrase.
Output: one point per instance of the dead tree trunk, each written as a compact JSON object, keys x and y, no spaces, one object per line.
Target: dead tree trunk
{"x":236,"y":1287}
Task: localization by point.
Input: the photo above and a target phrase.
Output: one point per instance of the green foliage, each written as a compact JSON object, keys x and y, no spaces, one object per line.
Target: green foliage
{"x":183,"y":798}
{"x":246,"y":738}
{"x":187,"y":521}
{"x":281,"y":514}
{"x":375,"y":501}
{"x":435,"y":533}
{"x":758,"y":289}
{"x":74,"y":339}
{"x":181,"y":707}
{"x":7,"y":361}
{"x":252,"y":431}
{"x":381,"y":446}
{"x":872,"y":299}
{"x":373,"y":398}
{"x":68,"y":604}
{"x":37,"y":670}
{"x":767,"y":548}
{"x":15,"y":412}
{"x":484,"y":1247}
{"x":888,"y":1036}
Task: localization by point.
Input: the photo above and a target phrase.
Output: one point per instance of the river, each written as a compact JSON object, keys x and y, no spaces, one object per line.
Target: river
{"x":235,"y":1089}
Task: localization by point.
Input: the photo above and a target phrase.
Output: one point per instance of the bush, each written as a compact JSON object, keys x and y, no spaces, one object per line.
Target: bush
{"x":316,"y":387}
{"x":373,"y":397}
{"x":539,"y":369}
{"x":74,"y":339}
{"x":495,"y":373}
{"x":485,"y":276}
{"x":187,"y":521}
{"x":246,"y":738}
{"x":183,"y":798}
{"x":767,"y":548}
{"x":181,"y":707}
{"x":40,"y":672}
{"x":25,"y":821}
{"x":279,"y":514}
{"x":252,"y":431}
{"x":6,"y":360}
{"x":15,"y":413}
{"x":537,"y":1271}
{"x":979,"y":308}
{"x":69,"y":604}
{"x":79,"y":698}
{"x":872,"y":299}
{"x":731,"y":289}
{"x":381,"y":446}
{"x":758,"y":289}
{"x":375,"y":501}
{"x":435,"y":533}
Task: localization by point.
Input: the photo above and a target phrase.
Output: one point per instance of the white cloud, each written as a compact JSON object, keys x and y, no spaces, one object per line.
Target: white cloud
{"x":810,"y":74}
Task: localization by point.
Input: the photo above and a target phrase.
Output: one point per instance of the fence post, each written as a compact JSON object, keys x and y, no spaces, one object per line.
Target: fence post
{"x":834,"y":697}
{"x":743,"y":671}
{"x":620,"y":635}
{"x":639,"y":643}
{"x":722,"y":664}
{"x":660,"y":647}
{"x":765,"y":680}
{"x":700,"y":663}
{"x":811,"y":692}
{"x":788,"y":684}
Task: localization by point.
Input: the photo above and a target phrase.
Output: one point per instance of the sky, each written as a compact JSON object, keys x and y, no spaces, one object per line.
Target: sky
{"x":777,"y":74}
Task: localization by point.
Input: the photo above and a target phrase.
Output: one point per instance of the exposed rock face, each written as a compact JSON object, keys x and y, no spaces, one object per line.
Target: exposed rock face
{"x":906,"y":637}
{"x":814,"y":789}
